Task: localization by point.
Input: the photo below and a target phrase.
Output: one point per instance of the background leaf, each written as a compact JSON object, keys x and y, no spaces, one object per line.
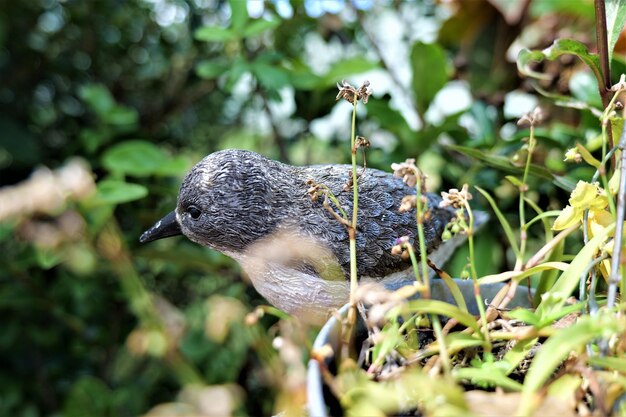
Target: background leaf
{"x":430,"y":73}
{"x":558,"y":48}
{"x":215,"y":34}
{"x":117,"y":192}
{"x":615,"y":20}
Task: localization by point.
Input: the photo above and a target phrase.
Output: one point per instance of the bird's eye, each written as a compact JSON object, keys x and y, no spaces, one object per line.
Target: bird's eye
{"x":194,"y":212}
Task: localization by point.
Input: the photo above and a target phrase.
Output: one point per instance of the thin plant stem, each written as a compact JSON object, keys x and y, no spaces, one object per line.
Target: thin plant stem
{"x":352,"y":316}
{"x":419,"y":213}
{"x":443,"y":349}
{"x":602,"y":44}
{"x":617,"y":261}
{"x":414,"y":264}
{"x":522,"y":212}
{"x":474,"y":275}
{"x":355,"y":208}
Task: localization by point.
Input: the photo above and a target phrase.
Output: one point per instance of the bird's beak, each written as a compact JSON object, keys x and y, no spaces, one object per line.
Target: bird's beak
{"x":166,"y":227}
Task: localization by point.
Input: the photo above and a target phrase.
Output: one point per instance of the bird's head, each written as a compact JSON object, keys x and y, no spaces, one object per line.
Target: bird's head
{"x":225,"y":202}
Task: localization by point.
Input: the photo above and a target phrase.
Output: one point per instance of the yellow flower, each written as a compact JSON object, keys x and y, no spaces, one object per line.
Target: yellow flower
{"x":598,"y":221}
{"x":586,"y":196}
{"x":569,"y":216}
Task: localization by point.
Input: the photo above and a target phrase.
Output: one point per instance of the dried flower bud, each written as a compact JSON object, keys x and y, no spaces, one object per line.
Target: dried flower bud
{"x":572,"y":155}
{"x":364,"y":92}
{"x":409,"y":172}
{"x":455,"y":198}
{"x":621,"y":84}
{"x":361,"y":142}
{"x":351,"y":94}
{"x":408,"y":203}
{"x":532,"y":118}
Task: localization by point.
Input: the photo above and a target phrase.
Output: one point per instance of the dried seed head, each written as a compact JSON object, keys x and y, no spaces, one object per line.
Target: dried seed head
{"x":409,"y":172}
{"x":351,"y":94}
{"x":455,"y":198}
{"x":349,"y":182}
{"x":364,"y":92}
{"x":532,"y":118}
{"x":409,"y":202}
{"x":314,"y":191}
{"x":401,"y":247}
{"x":361,"y":142}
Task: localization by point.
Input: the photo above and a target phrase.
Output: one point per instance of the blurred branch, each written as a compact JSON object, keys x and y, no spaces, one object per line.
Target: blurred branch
{"x":390,"y":69}
{"x":156,"y":118}
{"x":603,"y":52}
{"x":278,"y":139}
{"x":46,"y":191}
{"x":159,"y":331}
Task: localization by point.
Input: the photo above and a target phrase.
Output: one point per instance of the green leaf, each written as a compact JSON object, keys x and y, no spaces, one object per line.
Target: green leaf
{"x":524,"y":315}
{"x":615,"y":20}
{"x":116,"y":192}
{"x":390,"y":119}
{"x":520,"y":275}
{"x":209,"y":69}
{"x":612,"y":364}
{"x":558,"y":48}
{"x":514,"y":180}
{"x":174,"y":166}
{"x":47,"y":258}
{"x":569,"y":101}
{"x":88,"y":396}
{"x":214,"y":34}
{"x":391,"y":338}
{"x":258,"y":26}
{"x":556,"y":349}
{"x":237,"y":69}
{"x":443,"y":308}
{"x":519,"y":353}
{"x":92,"y":139}
{"x":270,"y":76}
{"x":508,"y":231}
{"x":238,"y":14}
{"x":121,"y":116}
{"x":97,"y":97}
{"x":490,"y":375}
{"x":134,"y":157}
{"x":430,"y":73}
{"x":586,"y":155}
{"x":503,"y":163}
{"x":570,"y":278}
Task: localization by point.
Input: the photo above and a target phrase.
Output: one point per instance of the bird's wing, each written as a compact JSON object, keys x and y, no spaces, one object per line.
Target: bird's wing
{"x":379,"y":223}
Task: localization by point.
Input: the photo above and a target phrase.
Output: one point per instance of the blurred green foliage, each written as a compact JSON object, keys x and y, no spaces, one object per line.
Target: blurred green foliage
{"x":141,"y":90}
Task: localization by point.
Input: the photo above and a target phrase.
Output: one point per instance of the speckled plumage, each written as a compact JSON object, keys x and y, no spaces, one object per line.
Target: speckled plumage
{"x":247,"y":196}
{"x":241,"y":199}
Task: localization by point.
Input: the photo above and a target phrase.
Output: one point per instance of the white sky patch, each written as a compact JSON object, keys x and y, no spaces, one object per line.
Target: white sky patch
{"x":517,"y":103}
{"x":255,"y":8}
{"x":167,"y":13}
{"x":284,"y":9}
{"x":453,"y":98}
{"x":284,"y":108}
{"x":335,"y":123}
{"x":321,"y":54}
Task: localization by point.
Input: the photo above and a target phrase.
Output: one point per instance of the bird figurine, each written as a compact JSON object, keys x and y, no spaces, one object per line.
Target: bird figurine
{"x":290,"y":244}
